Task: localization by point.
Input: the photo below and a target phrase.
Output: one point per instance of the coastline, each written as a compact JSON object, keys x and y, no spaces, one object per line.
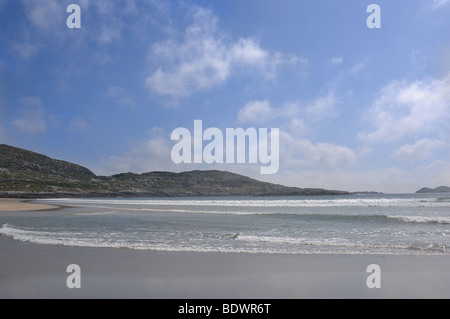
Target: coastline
{"x":39,"y":271}
{"x":22,"y":205}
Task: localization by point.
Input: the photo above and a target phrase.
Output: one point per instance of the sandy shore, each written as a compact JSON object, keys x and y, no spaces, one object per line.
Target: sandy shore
{"x":30,"y":270}
{"x":15,"y":205}
{"x":39,"y":271}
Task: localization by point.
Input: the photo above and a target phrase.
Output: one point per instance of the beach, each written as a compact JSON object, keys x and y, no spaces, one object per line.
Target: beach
{"x":34,"y":270}
{"x":14,"y":205}
{"x":38,"y":271}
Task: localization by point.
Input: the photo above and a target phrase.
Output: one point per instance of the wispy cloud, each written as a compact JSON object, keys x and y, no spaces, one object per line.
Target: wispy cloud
{"x":45,"y":15}
{"x":358,"y":68}
{"x":256,"y":112}
{"x":44,"y":26}
{"x":440,"y":3}
{"x":110,"y":23}
{"x":419,"y":58}
{"x":315,"y":110}
{"x":26,"y":49}
{"x":337,"y":60}
{"x":323,"y":107}
{"x":121,"y":96}
{"x":31,"y":116}
{"x":78,"y":125}
{"x":206,"y":57}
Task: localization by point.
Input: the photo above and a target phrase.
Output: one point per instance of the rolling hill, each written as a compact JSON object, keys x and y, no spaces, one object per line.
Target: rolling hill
{"x":25,"y":174}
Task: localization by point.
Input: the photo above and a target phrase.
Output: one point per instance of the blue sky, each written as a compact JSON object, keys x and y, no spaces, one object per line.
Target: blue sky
{"x":357,"y":108}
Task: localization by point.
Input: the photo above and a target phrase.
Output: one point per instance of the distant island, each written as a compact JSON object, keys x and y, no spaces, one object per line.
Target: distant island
{"x":438,"y":190}
{"x":26,"y":174}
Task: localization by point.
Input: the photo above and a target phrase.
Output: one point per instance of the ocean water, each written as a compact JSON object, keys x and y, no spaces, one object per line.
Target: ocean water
{"x":367,"y":224}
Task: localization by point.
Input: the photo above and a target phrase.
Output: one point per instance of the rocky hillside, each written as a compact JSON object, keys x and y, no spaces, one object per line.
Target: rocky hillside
{"x":25,"y":171}
{"x":27,"y":174}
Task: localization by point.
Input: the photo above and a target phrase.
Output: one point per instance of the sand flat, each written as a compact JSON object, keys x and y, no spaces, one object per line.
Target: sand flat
{"x":15,"y":205}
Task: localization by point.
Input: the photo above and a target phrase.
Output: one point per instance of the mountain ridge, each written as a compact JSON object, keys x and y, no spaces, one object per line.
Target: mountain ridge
{"x":26,"y":174}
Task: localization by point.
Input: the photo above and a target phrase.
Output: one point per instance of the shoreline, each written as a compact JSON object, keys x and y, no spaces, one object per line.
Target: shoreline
{"x":29,"y":270}
{"x":23,"y":205}
{"x":39,"y":271}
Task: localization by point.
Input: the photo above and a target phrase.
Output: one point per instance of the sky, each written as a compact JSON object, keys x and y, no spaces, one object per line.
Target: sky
{"x":358,"y":108}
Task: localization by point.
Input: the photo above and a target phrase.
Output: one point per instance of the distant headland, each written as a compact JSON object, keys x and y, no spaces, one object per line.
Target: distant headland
{"x":438,"y":190}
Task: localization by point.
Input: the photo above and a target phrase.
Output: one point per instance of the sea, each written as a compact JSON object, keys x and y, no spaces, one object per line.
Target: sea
{"x":394,"y":224}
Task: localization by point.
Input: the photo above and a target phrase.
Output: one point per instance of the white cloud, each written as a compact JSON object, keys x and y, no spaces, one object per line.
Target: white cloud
{"x":32,"y":116}
{"x":295,"y":114}
{"x":109,"y":17}
{"x":121,"y":96}
{"x":206,"y":57}
{"x":297,"y":120}
{"x":108,"y":35}
{"x":337,"y":60}
{"x":422,"y":149}
{"x":323,"y":107}
{"x":45,"y":22}
{"x":46,"y":25}
{"x":300,"y":153}
{"x":357,"y":69}
{"x":256,"y":112}
{"x":409,"y":109}
{"x":297,"y":126}
{"x":46,"y":15}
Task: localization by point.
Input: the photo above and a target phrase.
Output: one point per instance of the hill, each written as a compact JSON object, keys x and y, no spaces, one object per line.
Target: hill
{"x":440,"y":189}
{"x":25,"y":174}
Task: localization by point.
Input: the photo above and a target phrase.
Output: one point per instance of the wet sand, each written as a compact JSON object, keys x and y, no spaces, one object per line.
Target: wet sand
{"x":15,"y":205}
